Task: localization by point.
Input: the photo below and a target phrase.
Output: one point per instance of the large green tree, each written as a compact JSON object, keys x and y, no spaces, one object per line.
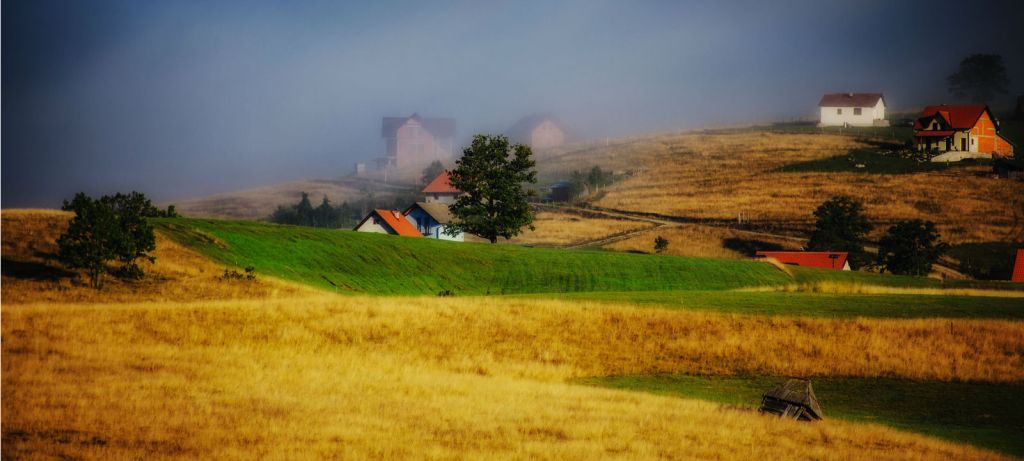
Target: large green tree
{"x":910,"y":248}
{"x":979,"y":78}
{"x":136,"y":236}
{"x":491,"y":174}
{"x":90,"y":239}
{"x":841,"y":226}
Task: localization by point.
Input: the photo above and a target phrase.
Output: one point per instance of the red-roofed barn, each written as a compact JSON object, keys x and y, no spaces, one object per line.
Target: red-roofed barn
{"x":818,"y":259}
{"x":392,"y":222}
{"x":959,"y":132}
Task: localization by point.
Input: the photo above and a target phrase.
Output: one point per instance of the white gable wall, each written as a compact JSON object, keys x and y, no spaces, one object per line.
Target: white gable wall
{"x":831,"y":116}
{"x":372,"y":225}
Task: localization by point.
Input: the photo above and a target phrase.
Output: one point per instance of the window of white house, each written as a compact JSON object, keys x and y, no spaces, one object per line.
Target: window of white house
{"x":856,"y":111}
{"x":839,"y":111}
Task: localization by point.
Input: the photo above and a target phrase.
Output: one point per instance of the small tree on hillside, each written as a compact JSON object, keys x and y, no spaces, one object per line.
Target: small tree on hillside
{"x":841,"y":226}
{"x":431,"y":171}
{"x":90,"y":239}
{"x":490,"y":174}
{"x":980,"y":77}
{"x":660,"y":244}
{"x":910,"y":248}
{"x":135,"y":235}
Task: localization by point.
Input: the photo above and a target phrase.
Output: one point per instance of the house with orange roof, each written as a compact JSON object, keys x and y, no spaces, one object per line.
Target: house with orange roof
{"x":441,"y":190}
{"x":836,"y":260}
{"x":392,"y":222}
{"x":957,"y":132}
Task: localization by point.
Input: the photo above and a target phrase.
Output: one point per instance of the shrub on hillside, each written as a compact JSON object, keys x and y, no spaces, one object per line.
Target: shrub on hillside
{"x":910,"y":248}
{"x":841,"y":226}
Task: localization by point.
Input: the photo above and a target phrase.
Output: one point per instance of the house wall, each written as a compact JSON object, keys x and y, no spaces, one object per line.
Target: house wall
{"x":987,"y":140}
{"x":446,"y":198}
{"x":867,"y":117}
{"x":546,"y":134}
{"x":414,"y":145}
{"x":429,"y":227}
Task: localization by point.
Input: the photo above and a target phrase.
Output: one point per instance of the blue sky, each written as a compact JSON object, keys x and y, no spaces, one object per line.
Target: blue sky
{"x":181,"y":99}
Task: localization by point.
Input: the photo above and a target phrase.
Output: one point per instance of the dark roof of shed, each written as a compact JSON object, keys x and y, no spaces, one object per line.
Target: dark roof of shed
{"x":436,"y":210}
{"x":521,"y":130}
{"x":850,"y":100}
{"x":797,"y":392}
{"x":438,"y":127}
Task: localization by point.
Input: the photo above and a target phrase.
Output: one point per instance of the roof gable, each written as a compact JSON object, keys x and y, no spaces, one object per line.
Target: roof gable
{"x":525,"y":126}
{"x":959,"y":117}
{"x":438,"y":127}
{"x":797,"y":392}
{"x":438,"y":211}
{"x":441,"y":185}
{"x":819,"y":259}
{"x":851,"y":100}
{"x":395,"y":220}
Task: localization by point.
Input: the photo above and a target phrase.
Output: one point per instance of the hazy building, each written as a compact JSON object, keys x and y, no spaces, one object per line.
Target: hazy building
{"x":417,"y":140}
{"x":852,"y":109}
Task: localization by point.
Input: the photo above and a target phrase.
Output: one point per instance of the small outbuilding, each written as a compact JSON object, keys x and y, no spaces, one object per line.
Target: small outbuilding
{"x":441,"y":190}
{"x":383,"y":221}
{"x":561,"y":191}
{"x":836,"y":260}
{"x":792,"y":399}
{"x":432,"y":220}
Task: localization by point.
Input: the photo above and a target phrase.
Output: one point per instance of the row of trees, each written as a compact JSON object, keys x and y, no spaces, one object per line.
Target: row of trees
{"x":587,"y":182}
{"x":111,"y":228}
{"x":908,"y":247}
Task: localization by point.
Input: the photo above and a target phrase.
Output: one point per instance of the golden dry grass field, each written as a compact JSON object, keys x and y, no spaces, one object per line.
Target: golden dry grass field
{"x":722,"y":175}
{"x":213,"y":371}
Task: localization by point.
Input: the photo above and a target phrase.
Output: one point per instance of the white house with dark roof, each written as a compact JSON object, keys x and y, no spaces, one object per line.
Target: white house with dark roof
{"x":852,"y":109}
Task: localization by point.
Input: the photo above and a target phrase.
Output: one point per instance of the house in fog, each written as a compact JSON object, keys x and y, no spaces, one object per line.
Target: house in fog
{"x":539,"y":131}
{"x":852,"y":109}
{"x":416,"y":140}
{"x":957,"y":132}
{"x":383,"y":221}
{"x":431,"y":219}
{"x":441,"y":190}
{"x":819,"y":259}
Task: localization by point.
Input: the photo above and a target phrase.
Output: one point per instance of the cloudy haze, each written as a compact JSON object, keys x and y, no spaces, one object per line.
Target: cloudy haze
{"x":182,"y":99}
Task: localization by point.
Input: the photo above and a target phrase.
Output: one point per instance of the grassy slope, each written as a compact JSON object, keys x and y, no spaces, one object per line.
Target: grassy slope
{"x":381,"y":264}
{"x":873,"y":162}
{"x":819,"y":304}
{"x":989,"y":415}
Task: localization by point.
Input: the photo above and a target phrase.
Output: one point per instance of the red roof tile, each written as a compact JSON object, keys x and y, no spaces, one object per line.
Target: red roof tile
{"x":820,"y":259}
{"x":1018,"y":268}
{"x":395,"y":220}
{"x":934,"y":134}
{"x":960,"y":117}
{"x":850,"y":100}
{"x":440,"y":185}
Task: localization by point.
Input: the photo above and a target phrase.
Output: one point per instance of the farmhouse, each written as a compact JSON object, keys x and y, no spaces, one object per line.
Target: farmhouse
{"x":819,"y":259}
{"x":416,"y":140}
{"x":792,"y":399}
{"x":539,"y":131}
{"x":440,"y":190}
{"x":431,"y":219}
{"x":1018,"y":267}
{"x":852,"y":109}
{"x":383,"y":221}
{"x":959,"y":132}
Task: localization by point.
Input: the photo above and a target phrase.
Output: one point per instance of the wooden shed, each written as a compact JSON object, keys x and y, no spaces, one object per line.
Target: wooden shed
{"x":792,"y":399}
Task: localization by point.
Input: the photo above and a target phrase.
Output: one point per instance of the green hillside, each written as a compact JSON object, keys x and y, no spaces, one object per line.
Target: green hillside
{"x":349,"y":261}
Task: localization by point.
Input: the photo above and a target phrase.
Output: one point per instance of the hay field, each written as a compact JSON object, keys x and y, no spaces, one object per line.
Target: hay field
{"x":216,"y":374}
{"x":557,"y":228}
{"x":695,"y":241}
{"x":722,"y":175}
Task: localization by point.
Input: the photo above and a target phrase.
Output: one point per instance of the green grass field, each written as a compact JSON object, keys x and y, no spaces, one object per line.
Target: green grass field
{"x":988,"y":415}
{"x":819,"y":305}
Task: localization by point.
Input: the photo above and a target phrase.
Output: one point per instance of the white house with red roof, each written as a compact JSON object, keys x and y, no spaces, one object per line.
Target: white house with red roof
{"x":852,"y":109}
{"x":957,"y":132}
{"x":441,"y":190}
{"x":835,"y":260}
{"x":383,"y":221}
